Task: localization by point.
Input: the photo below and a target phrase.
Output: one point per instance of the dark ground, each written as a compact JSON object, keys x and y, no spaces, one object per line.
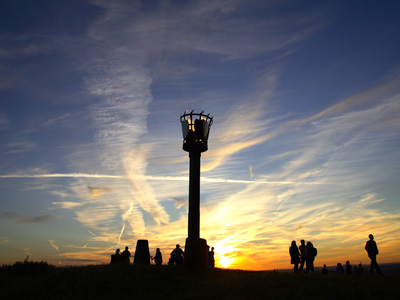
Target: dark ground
{"x":42,"y":281}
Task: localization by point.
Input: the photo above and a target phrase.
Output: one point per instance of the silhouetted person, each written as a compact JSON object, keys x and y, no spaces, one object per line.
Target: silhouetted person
{"x":372,"y":250}
{"x":294,"y":256}
{"x":303,"y":254}
{"x":171,"y":260}
{"x":158,"y":257}
{"x":349,"y":271}
{"x":125,"y":256}
{"x":116,"y":258}
{"x":360,"y":269}
{"x":339,"y":269}
{"x":311,"y":254}
{"x":325,"y":270}
{"x":211,"y":260}
{"x":178,"y":255}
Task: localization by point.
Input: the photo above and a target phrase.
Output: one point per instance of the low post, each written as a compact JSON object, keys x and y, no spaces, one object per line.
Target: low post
{"x":142,"y":253}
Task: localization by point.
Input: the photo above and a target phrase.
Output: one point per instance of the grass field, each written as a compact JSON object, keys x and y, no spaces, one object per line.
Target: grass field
{"x":34,"y":280}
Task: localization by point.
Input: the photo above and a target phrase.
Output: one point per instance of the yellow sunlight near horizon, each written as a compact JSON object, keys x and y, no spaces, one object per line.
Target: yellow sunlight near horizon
{"x":224,"y":258}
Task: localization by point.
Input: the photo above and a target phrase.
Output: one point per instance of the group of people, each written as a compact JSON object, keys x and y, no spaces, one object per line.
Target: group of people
{"x":348,"y":269}
{"x":123,"y":257}
{"x":305,"y":254}
{"x":176,"y":257}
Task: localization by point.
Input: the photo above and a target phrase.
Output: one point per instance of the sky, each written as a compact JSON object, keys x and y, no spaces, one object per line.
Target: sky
{"x":305,"y":98}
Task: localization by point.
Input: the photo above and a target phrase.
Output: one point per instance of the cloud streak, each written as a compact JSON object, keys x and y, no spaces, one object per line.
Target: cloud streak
{"x":54,"y":245}
{"x":58,"y":175}
{"x":24,"y":219}
{"x":99,"y":191}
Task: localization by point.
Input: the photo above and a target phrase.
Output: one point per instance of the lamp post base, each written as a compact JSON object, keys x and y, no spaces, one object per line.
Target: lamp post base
{"x":196,"y":253}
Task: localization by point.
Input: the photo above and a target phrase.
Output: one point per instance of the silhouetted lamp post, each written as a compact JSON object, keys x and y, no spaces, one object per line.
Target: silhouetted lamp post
{"x":195,"y":130}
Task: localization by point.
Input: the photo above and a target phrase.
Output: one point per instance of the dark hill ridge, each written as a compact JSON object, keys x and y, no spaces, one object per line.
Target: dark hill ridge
{"x":42,"y":281}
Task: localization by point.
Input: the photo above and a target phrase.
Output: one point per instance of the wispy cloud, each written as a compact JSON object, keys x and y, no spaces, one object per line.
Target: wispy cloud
{"x":24,"y":219}
{"x":53,"y":244}
{"x":59,"y":119}
{"x":19,"y":146}
{"x":23,"y":46}
{"x":97,"y":191}
{"x":67,"y":205}
{"x":381,"y":92}
{"x":56,"y":175}
{"x":4,"y":121}
{"x":94,"y":192}
{"x":180,"y":202}
{"x":251,"y":170}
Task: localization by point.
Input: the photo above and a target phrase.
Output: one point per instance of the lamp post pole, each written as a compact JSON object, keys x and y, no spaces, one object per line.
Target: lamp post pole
{"x":195,"y":129}
{"x":194,"y":195}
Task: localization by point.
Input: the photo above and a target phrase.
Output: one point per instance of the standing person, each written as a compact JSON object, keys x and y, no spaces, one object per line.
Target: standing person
{"x":116,"y":258}
{"x":360,"y":269}
{"x":311,"y":254}
{"x":158,"y":257}
{"x":178,"y":255}
{"x":125,"y":256}
{"x":303,"y":254}
{"x":372,"y":250}
{"x":171,"y":260}
{"x":339,"y":269}
{"x":294,"y":256}
{"x":325,"y":270}
{"x":211,"y":260}
{"x":349,"y":270}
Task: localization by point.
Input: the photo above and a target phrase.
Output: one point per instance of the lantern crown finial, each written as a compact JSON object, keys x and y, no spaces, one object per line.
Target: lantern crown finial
{"x":195,"y":130}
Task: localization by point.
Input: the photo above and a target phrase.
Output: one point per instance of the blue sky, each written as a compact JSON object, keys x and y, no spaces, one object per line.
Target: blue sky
{"x":306,"y":103}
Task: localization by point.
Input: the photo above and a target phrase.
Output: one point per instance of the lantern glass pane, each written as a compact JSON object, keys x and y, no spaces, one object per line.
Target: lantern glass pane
{"x":185,"y":128}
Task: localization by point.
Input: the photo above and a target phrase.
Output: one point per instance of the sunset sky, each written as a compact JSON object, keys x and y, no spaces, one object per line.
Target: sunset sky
{"x":305,"y":143}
